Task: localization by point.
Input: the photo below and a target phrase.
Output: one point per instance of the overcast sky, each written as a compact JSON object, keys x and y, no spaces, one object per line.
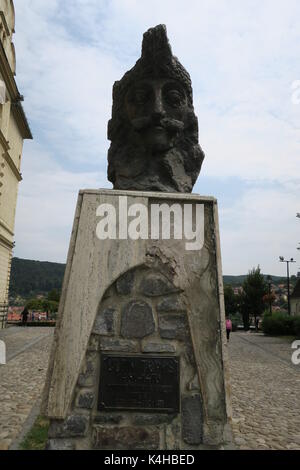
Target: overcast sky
{"x":244,"y":60}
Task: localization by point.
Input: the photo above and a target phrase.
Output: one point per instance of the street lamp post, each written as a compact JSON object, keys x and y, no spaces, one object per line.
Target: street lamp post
{"x":282,"y":260}
{"x":270,"y":300}
{"x":298,"y":215}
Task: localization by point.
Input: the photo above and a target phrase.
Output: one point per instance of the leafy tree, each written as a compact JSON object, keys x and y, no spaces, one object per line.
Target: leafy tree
{"x":43,"y":305}
{"x":50,"y":307}
{"x":35,"y":304}
{"x":252,"y":298}
{"x":53,"y":295}
{"x":231,"y":300}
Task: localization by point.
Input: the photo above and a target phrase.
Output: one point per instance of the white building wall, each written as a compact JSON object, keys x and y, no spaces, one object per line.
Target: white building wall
{"x":11,"y":146}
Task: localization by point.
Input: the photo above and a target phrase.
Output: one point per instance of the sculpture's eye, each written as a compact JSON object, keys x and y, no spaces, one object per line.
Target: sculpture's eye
{"x":174,"y":97}
{"x":141,"y":96}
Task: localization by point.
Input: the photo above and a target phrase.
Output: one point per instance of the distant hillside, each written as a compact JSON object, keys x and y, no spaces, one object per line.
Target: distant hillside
{"x":30,"y":278}
{"x":238,"y":280}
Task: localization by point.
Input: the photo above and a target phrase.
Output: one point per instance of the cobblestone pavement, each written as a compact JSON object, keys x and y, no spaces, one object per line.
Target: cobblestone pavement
{"x":265,"y":387}
{"x":265,"y":392}
{"x":22,"y":378}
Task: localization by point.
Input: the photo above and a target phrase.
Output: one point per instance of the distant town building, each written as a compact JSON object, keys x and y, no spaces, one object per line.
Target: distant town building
{"x":14,"y":129}
{"x":14,"y":314}
{"x":295,"y":300}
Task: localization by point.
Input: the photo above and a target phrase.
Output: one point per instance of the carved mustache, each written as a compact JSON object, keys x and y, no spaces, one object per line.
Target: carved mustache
{"x":173,"y":125}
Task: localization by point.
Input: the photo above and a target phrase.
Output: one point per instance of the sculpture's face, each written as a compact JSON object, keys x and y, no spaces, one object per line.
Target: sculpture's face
{"x":157,"y":110}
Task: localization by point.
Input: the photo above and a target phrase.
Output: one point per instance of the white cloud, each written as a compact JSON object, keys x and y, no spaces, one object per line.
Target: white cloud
{"x":46,"y":206}
{"x":243,"y":58}
{"x":258,"y":228}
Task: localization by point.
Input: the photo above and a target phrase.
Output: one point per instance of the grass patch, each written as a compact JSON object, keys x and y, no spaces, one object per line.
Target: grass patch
{"x":37,"y":437}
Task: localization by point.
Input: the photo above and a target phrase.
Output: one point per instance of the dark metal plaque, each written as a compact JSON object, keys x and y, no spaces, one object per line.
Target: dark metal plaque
{"x":140,"y":383}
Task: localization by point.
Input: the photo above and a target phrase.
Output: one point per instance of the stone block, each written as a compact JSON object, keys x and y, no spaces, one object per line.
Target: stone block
{"x":93,"y":343}
{"x":152,"y":419}
{"x":193,"y":385}
{"x":170,"y":304}
{"x":125,"y":283}
{"x":106,"y":418}
{"x":137,"y":320}
{"x":105,"y":322}
{"x":60,"y":444}
{"x":88,"y":376}
{"x":85,"y":400}
{"x":192,"y":419}
{"x":110,"y":292}
{"x":155,"y":285}
{"x":125,"y":438}
{"x":173,"y":327}
{"x":72,"y":426}
{"x":158,"y":348}
{"x":173,"y":434}
{"x":116,"y":345}
{"x":85,"y":380}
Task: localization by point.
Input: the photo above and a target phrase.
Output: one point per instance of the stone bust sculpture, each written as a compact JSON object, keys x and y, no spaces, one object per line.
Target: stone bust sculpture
{"x":154,"y":130}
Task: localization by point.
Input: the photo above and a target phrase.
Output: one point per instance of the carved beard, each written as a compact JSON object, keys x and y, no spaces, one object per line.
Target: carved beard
{"x":176,"y":169}
{"x":158,"y":134}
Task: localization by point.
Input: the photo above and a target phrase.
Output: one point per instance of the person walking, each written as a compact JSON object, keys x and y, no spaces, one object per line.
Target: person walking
{"x":228,"y":328}
{"x":24,"y":316}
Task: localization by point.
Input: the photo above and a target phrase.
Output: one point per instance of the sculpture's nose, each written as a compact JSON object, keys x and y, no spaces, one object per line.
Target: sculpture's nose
{"x":158,"y":107}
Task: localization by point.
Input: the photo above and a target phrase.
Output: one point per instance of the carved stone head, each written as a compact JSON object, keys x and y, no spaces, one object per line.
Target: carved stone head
{"x":154,"y":130}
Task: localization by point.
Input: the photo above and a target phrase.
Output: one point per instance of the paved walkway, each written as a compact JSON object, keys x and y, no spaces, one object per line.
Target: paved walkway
{"x":265,"y":392}
{"x":265,"y":387}
{"x":22,"y":378}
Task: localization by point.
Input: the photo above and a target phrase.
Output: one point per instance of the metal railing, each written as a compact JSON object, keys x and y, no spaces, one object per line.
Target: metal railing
{"x":3,"y":315}
{"x":4,"y":305}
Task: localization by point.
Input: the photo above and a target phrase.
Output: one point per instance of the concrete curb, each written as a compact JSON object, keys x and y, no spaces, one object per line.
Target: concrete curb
{"x":34,"y":413}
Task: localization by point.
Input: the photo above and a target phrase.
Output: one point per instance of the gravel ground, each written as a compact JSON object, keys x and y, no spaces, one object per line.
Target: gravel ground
{"x":22,"y":378}
{"x":265,"y":392}
{"x":265,"y":387}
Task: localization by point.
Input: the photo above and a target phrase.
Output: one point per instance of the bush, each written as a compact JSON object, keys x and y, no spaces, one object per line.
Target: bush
{"x":280,"y":323}
{"x":37,"y":437}
{"x":297,"y":326}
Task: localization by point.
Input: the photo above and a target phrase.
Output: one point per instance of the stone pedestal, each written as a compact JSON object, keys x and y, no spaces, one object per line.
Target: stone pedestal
{"x":139,"y":359}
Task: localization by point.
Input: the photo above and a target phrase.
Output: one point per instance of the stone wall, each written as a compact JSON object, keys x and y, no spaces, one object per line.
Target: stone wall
{"x":142,"y":312}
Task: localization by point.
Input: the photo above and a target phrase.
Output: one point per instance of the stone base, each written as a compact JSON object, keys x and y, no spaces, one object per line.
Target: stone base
{"x":148,"y":299}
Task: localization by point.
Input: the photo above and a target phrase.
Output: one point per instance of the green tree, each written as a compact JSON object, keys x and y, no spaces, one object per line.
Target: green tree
{"x":35,"y":304}
{"x":50,"y":307}
{"x":252,"y":299}
{"x":53,"y":296}
{"x":231,"y":300}
{"x":43,"y":305}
